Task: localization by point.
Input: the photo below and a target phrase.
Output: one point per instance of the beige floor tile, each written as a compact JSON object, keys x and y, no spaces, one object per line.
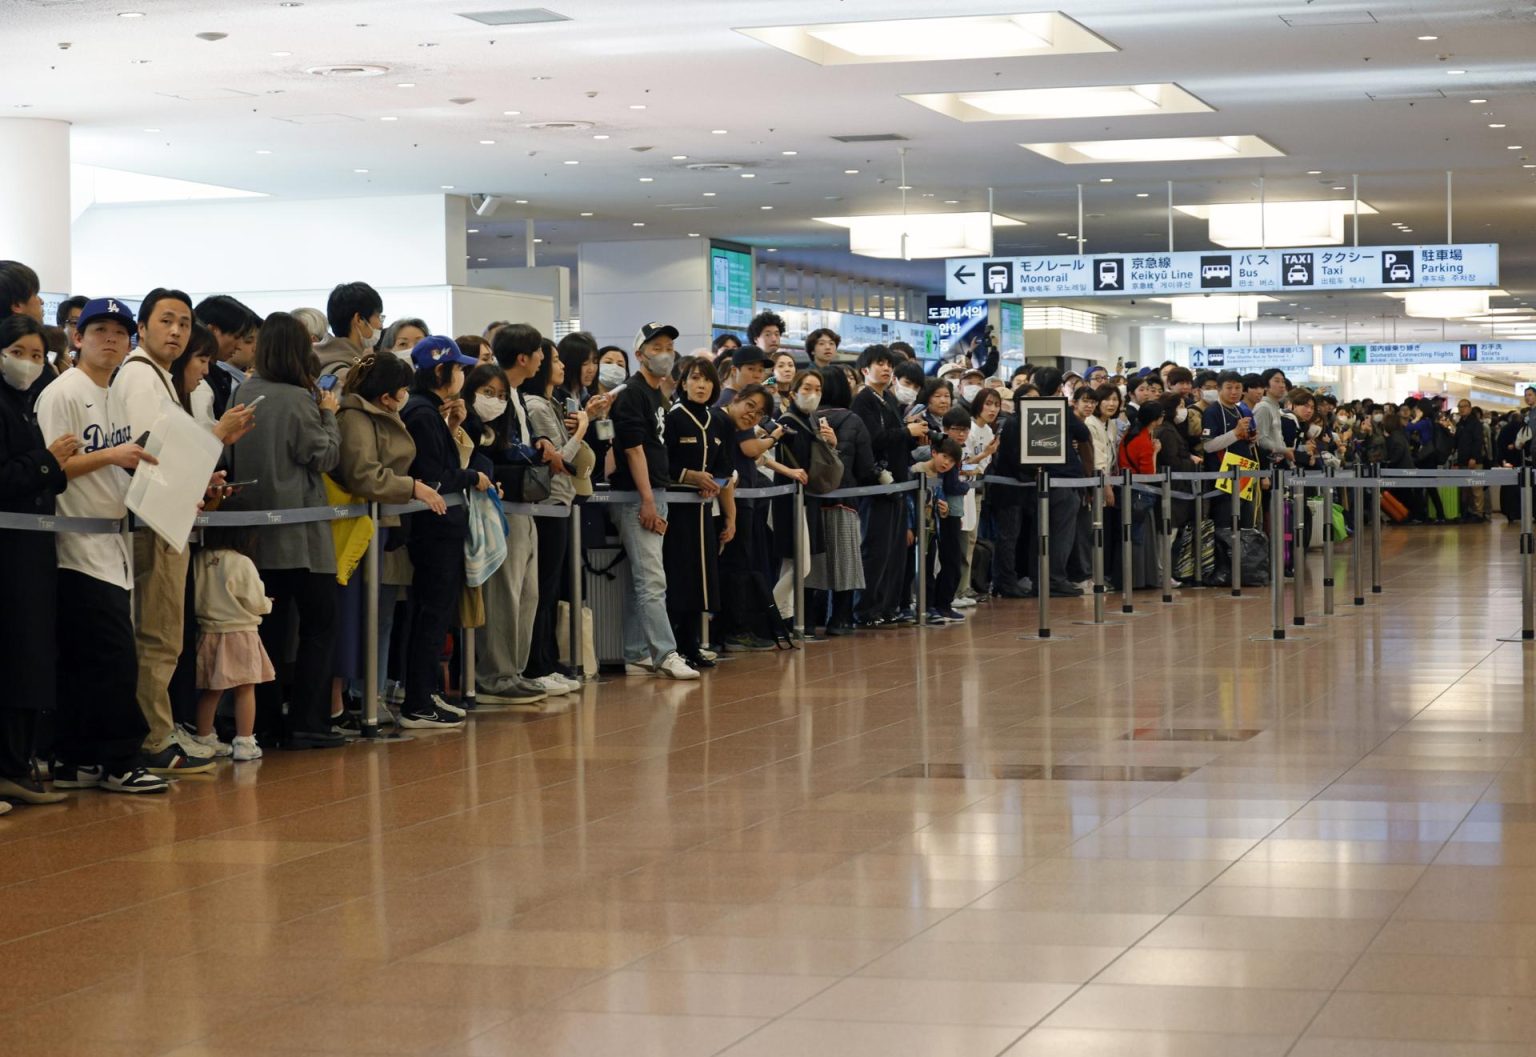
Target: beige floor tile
{"x":563,"y":950}
{"x":1025,"y":894}
{"x":853,"y":893}
{"x":1263,"y":970}
{"x":1432,"y":974}
{"x":923,"y":959}
{"x":1428,"y":1018}
{"x":1208,"y":1009}
{"x":826,"y":922}
{"x":1465,"y":939}
{"x":1310,"y":1046}
{"x":973,"y":1002}
{"x":822,"y":1038}
{"x":695,"y":994}
{"x":1239,"y":901}
{"x":568,"y":1034}
{"x":1100,"y":1042}
{"x":800,"y":956}
{"x":1343,"y":876}
{"x":1262,"y":933}
{"x":1046,"y":929}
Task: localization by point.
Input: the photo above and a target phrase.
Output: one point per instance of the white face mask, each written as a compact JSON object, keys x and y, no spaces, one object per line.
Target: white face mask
{"x":807,"y":402}
{"x":1377,"y":417}
{"x":372,"y":341}
{"x":1181,"y":414}
{"x":905,"y":394}
{"x":1210,"y":396}
{"x":1314,"y":430}
{"x":490,"y":408}
{"x":1122,"y":391}
{"x":19,"y":373}
{"x":969,"y":392}
{"x":610,"y":375}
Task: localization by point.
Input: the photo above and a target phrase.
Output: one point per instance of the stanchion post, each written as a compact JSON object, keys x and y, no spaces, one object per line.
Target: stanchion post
{"x":1299,"y":554}
{"x":1277,"y":553}
{"x":1127,"y":552}
{"x":573,"y":559}
{"x":1328,"y":541}
{"x":1357,"y":541}
{"x":1043,"y":571}
{"x":1527,"y":547}
{"x":371,"y":645}
{"x":1236,"y":549}
{"x":1098,"y":548}
{"x":922,"y":549}
{"x":467,"y":680}
{"x":1376,"y":515}
{"x":1167,"y":537}
{"x":801,"y":559}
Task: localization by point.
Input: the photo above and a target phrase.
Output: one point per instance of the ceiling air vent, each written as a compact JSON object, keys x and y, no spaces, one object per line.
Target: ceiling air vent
{"x":715,"y":166}
{"x":877,"y":137}
{"x":1329,"y":18}
{"x":1408,"y":95}
{"x":521,"y":16}
{"x":351,"y":70}
{"x":558,"y":126}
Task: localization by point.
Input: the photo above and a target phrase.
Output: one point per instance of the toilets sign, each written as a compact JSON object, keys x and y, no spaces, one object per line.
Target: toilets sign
{"x":1324,"y":268}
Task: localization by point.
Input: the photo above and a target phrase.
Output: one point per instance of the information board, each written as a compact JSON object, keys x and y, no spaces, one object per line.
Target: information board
{"x":1227,"y":271}
{"x":1043,"y":440}
{"x":1010,"y":331}
{"x":730,"y":292}
{"x":1250,"y":357}
{"x":1406,"y":353}
{"x":955,"y":320}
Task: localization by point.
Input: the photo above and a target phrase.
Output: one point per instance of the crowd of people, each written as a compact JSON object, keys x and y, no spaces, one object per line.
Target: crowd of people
{"x":134,"y":659}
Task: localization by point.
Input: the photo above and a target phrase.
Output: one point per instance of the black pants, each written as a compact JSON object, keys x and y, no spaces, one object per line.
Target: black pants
{"x":18,"y":734}
{"x":544,"y":650}
{"x":1064,"y":506}
{"x":945,"y":545}
{"x":1007,"y":522}
{"x":884,"y":550}
{"x":310,"y":600}
{"x":97,"y":720}
{"x":436,"y":584}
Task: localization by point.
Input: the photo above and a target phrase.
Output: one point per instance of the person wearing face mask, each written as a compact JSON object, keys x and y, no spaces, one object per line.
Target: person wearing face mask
{"x":355,"y":313}
{"x":888,"y":536}
{"x":31,"y":477}
{"x":612,"y":368}
{"x":803,"y":401}
{"x":374,"y":464}
{"x":434,"y":416}
{"x":970,"y":386}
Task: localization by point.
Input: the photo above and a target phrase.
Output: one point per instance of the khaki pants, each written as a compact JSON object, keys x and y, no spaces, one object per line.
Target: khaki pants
{"x":159,"y":601}
{"x":511,"y":604}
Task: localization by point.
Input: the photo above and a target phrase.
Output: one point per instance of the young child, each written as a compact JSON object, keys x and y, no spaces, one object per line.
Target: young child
{"x":231,"y":600}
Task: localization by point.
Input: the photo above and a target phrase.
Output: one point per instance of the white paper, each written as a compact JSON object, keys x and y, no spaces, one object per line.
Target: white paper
{"x":165,"y":496}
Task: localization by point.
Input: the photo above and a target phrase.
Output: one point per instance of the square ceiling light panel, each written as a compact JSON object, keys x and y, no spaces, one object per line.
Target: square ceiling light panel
{"x":918,"y":236}
{"x":934,"y":39}
{"x":1044,"y":104}
{"x":1177,"y":148}
{"x":1275,"y":224}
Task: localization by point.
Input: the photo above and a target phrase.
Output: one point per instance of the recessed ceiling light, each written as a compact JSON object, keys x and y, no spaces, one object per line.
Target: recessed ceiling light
{"x":447,"y":187}
{"x":1064,"y":234}
{"x":772,"y":249}
{"x":1142,"y":194}
{"x":679,"y":157}
{"x":765,"y":207}
{"x":789,"y":153}
{"x":474,"y":231}
{"x":638,"y":224}
{"x":586,"y":214}
{"x":389,"y":119}
{"x":600,"y":135}
{"x":709,"y":194}
{"x":487,"y":143}
{"x":1454,"y":73}
{"x":360,"y":170}
{"x":538,"y":240}
{"x":719,"y":132}
{"x":1528,"y":166}
{"x":1314,"y":172}
{"x":573,"y":162}
{"x":850,"y":172}
{"x":1429,"y":37}
{"x":520,"y":201}
{"x":749,"y":176}
{"x":1497,"y":125}
{"x":406,"y":84}
{"x":263,"y":152}
{"x":510,"y":113}
{"x":1033,"y":104}
{"x":1106,"y":179}
{"x":1176,"y":148}
{"x":1514,"y":146}
{"x":637,"y":106}
{"x":904,"y":187}
{"x":1477,"y":101}
{"x":647,"y":179}
{"x":927,"y":39}
{"x":130,"y":14}
{"x":951,"y":201}
{"x":693,"y":234}
{"x":1340,"y":187}
{"x":481,"y":260}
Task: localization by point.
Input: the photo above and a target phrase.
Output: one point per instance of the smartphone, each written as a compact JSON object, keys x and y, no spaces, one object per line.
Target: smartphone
{"x":722,"y":481}
{"x":572,"y":405}
{"x":240,"y":484}
{"x":252,"y":405}
{"x":327,"y":382}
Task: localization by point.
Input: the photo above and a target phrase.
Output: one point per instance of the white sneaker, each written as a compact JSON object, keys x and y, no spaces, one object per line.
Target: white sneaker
{"x":210,"y":744}
{"x":187,"y":742}
{"x":244,"y":749}
{"x":674,"y":667}
{"x":444,"y":706}
{"x":708,"y":655}
{"x":553,"y":683}
{"x":573,"y":685}
{"x":964,"y":602}
{"x":639,"y":668}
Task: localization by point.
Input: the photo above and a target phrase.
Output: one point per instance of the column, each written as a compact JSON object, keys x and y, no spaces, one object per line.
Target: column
{"x":34,"y":199}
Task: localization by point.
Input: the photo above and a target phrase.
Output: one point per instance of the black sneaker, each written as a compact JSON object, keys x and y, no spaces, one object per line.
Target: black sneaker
{"x":77,"y":775}
{"x":133,"y":780}
{"x":437,"y":719}
{"x":314,"y":739}
{"x":171,"y":761}
{"x":748,"y":643}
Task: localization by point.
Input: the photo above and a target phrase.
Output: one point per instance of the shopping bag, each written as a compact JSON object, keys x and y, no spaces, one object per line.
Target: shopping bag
{"x":486,"y":547}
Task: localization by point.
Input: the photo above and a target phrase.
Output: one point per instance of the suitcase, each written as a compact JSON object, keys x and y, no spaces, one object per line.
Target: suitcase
{"x":1393,"y":507}
{"x":603,"y":591}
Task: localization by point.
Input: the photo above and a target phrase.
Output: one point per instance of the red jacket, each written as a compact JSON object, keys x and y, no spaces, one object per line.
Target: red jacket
{"x":1137,"y":454}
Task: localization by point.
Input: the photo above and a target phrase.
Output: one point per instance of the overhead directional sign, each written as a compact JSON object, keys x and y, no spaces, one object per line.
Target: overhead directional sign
{"x":1250,"y":357}
{"x":1429,"y":352}
{"x":1227,"y":271}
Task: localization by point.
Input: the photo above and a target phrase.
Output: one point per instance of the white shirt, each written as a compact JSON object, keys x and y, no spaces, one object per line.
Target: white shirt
{"x":76,"y":404}
{"x":141,"y":393}
{"x":202,"y":403}
{"x":976,"y":442}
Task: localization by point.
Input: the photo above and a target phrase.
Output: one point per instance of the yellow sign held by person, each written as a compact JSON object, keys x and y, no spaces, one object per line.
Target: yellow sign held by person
{"x":1230,"y":462}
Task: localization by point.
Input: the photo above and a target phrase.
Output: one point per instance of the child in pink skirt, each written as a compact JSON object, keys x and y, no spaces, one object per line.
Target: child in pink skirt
{"x":230,"y":600}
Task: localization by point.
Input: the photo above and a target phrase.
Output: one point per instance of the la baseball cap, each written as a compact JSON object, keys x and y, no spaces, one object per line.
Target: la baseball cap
{"x":654,"y":330}
{"x":429,"y":352}
{"x":106,"y":308}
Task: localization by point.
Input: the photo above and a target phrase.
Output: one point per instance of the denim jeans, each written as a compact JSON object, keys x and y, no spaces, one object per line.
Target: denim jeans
{"x":647,"y":631}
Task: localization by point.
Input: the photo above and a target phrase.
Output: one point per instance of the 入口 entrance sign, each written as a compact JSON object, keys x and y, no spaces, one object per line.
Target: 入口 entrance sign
{"x":1043,"y":439}
{"x":1251,"y":271}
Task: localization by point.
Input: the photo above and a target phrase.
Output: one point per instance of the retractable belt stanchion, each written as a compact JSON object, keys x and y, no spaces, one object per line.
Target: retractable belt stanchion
{"x":1528,"y":554}
{"x":1328,"y":541}
{"x":573,"y":559}
{"x":1127,"y":550}
{"x":1167,"y":546}
{"x":1357,"y":541}
{"x":1043,"y":555}
{"x":1376,"y":516}
{"x":370,"y":724}
{"x":922,"y":550}
{"x":1276,"y":556}
{"x":1099,"y":590}
{"x":1299,"y":554}
{"x":467,"y":680}
{"x":801,"y":558}
{"x":1236,"y":549}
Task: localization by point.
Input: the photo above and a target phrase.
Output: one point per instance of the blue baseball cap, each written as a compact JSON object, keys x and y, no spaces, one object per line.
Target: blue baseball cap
{"x":106,"y":308}
{"x":429,"y":352}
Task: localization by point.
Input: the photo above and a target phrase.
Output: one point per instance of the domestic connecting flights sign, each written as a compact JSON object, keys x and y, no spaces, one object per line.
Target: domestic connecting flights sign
{"x":1244,"y":271}
{"x":1495,"y":353}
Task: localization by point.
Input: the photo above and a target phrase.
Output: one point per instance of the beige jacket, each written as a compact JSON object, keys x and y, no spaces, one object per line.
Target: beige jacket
{"x":228,"y":592}
{"x":376,"y":452}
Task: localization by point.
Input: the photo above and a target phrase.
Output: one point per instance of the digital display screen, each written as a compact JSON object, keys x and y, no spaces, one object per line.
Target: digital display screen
{"x":730,"y":294}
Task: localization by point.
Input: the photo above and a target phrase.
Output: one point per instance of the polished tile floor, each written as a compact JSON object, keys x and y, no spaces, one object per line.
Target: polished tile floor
{"x":824,"y":855}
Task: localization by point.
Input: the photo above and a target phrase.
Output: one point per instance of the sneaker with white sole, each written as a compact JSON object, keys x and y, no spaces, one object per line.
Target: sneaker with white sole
{"x":133,"y":780}
{"x":434,"y":720}
{"x":552,"y":684}
{"x":444,"y":706}
{"x":245,"y":749}
{"x":512,"y":695}
{"x":639,"y":668}
{"x":674,"y":667}
{"x":171,"y":761}
{"x":964,"y":602}
{"x":571,"y":685}
{"x":77,"y":775}
{"x":211,"y":745}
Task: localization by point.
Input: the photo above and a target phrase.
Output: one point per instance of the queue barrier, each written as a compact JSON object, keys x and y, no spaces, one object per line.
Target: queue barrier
{"x":1363,"y":479}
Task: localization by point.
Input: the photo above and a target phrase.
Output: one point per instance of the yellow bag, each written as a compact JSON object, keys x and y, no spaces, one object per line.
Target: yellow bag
{"x":349,"y":536}
{"x":1229,"y":461}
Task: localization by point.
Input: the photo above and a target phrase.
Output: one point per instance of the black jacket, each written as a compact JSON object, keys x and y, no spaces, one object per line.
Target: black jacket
{"x":437,"y":463}
{"x":1470,"y":441}
{"x":888,"y":436}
